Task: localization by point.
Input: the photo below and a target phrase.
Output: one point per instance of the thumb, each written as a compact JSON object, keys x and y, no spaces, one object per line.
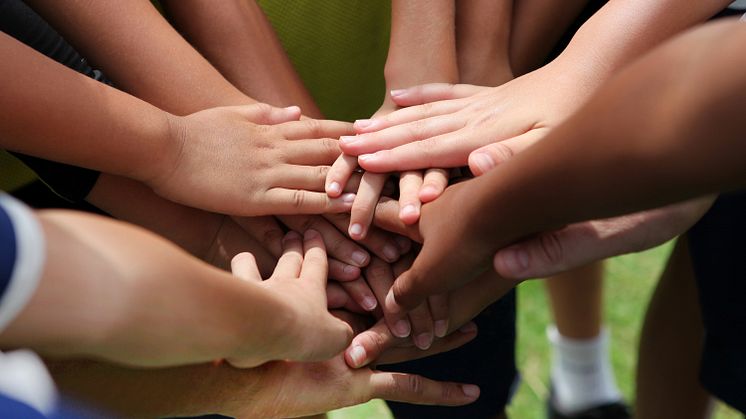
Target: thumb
{"x":424,"y":93}
{"x":554,"y":252}
{"x":484,"y":159}
{"x":264,"y":114}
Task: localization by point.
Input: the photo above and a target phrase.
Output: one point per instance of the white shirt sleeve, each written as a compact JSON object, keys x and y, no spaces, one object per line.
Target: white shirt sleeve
{"x":29,"y":261}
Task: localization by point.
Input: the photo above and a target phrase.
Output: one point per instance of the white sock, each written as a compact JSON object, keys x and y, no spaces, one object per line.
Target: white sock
{"x":582,"y":376}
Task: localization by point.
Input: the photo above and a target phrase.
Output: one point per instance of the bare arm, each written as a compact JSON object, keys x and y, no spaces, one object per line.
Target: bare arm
{"x":423,"y":43}
{"x":236,"y":37}
{"x":664,"y":130}
{"x":137,"y":48}
{"x":47,"y":100}
{"x":483,"y":41}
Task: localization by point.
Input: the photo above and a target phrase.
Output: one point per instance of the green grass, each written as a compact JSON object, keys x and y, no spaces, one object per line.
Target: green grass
{"x":630,"y":281}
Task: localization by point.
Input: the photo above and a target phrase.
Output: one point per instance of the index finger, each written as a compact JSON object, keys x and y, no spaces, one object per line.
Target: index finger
{"x":314,"y":128}
{"x":315,"y":266}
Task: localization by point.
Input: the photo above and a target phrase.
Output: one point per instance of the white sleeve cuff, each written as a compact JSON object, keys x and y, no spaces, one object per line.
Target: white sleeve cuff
{"x":29,"y":263}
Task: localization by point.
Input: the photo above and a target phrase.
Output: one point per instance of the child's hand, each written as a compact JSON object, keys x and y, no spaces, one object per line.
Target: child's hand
{"x":300,"y":280}
{"x":456,"y":248}
{"x":462,"y":119}
{"x":223,"y":161}
{"x":466,"y":303}
{"x":425,"y":322}
{"x":308,"y":387}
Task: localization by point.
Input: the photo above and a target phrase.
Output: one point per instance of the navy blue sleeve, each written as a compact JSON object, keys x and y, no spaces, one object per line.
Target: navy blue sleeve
{"x":7,"y":250}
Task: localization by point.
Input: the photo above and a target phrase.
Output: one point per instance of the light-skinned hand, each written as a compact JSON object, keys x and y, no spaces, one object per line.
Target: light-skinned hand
{"x":300,"y":278}
{"x":228,"y":160}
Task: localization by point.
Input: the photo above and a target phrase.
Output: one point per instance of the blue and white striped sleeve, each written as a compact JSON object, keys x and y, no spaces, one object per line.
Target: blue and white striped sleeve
{"x":21,"y":257}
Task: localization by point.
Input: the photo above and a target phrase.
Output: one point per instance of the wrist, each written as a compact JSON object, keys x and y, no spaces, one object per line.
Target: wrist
{"x":408,"y":71}
{"x":272,"y":335}
{"x":171,"y":138}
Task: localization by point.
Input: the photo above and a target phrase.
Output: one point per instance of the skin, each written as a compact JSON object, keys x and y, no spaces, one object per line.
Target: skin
{"x":165,"y":83}
{"x":112,"y":319}
{"x":137,"y":140}
{"x":483,"y":41}
{"x":667,"y":384}
{"x":236,"y":37}
{"x":246,"y":393}
{"x":417,"y":27}
{"x":690,"y":167}
{"x":443,"y":134}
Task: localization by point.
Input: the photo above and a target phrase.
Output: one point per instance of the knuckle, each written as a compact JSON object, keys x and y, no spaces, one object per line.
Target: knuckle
{"x":551,"y":248}
{"x":415,"y":129}
{"x":376,"y":272}
{"x":313,"y":126}
{"x":298,"y":199}
{"x":331,"y":147}
{"x":415,"y":384}
{"x":321,"y":172}
{"x":263,"y":108}
{"x":363,"y":209}
{"x":502,"y":153}
{"x":427,"y":108}
{"x":448,"y":392}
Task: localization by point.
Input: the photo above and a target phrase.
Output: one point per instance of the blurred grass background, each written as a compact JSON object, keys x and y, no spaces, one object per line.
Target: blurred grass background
{"x":630,"y":282}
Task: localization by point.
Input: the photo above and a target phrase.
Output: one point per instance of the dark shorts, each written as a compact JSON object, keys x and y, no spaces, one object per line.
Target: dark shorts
{"x":488,"y":361}
{"x":718,"y":248}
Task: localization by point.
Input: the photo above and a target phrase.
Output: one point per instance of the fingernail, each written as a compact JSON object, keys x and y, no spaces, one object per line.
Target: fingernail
{"x":470,"y":327}
{"x":440,"y":327}
{"x":348,"y":139}
{"x":515,"y":259}
{"x":397,"y":92}
{"x":362,"y":123}
{"x":356,"y":230}
{"x":334,"y":188}
{"x":470,"y":390}
{"x":348,"y":198}
{"x":402,"y":329}
{"x":350,"y":270}
{"x":483,"y":161}
{"x":404,"y":244}
{"x":391,"y":253}
{"x":291,"y":235}
{"x":357,"y":354}
{"x":367,"y":157}
{"x":359,"y":257}
{"x":408,"y":210}
{"x":391,"y":304}
{"x":292,"y":108}
{"x":424,"y":340}
{"x":369,"y":303}
{"x":310,"y":234}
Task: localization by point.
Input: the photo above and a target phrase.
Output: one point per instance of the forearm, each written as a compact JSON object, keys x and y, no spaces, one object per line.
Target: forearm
{"x":236,"y":37}
{"x":166,"y":392}
{"x":135,"y":46}
{"x":664,"y":130}
{"x":483,"y":32}
{"x":101,"y":128}
{"x":537,"y":28}
{"x":117,"y":292}
{"x":134,"y":202}
{"x":623,"y":30}
{"x":423,"y":43}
